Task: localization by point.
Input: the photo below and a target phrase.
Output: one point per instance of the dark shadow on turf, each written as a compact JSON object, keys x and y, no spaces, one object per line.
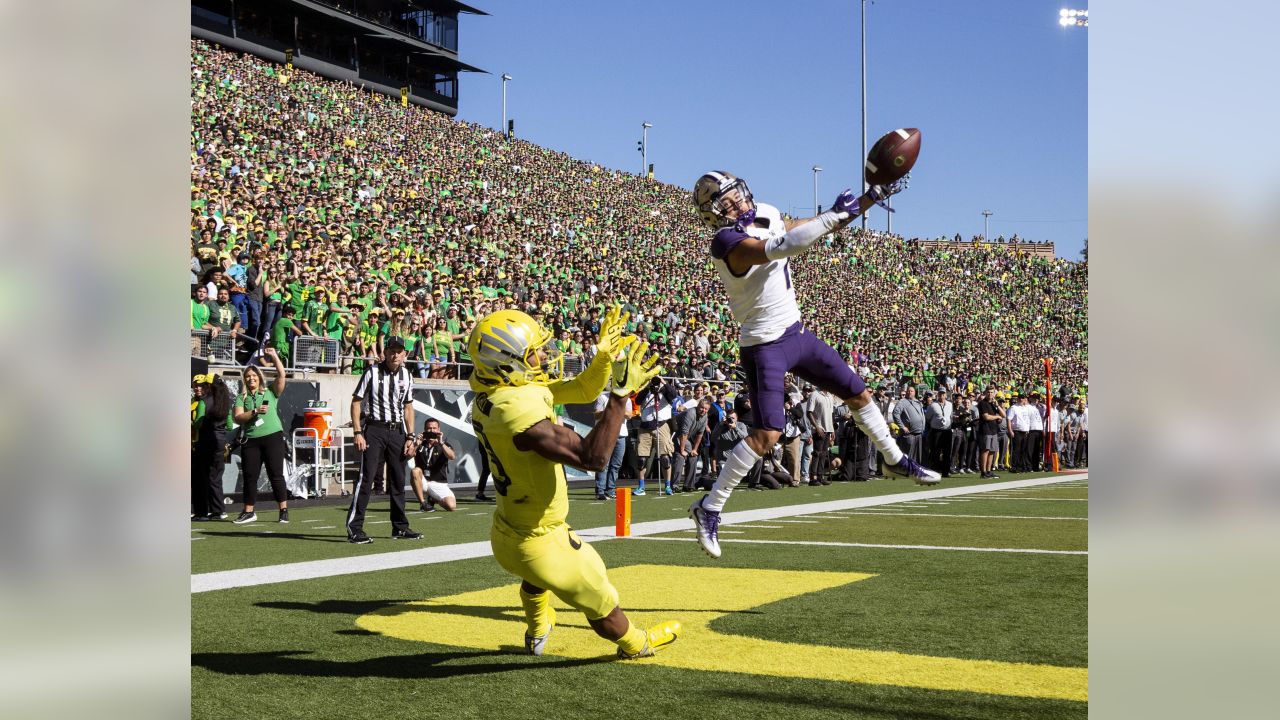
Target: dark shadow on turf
{"x":334,"y":607}
{"x":356,"y":631}
{"x":975,"y":707}
{"x":407,"y":667}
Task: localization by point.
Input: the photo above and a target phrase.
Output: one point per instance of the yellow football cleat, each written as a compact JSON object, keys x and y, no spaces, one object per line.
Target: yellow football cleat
{"x":659,"y":636}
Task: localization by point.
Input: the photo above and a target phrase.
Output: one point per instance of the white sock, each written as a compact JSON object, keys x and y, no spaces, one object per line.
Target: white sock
{"x":735,"y":467}
{"x":871,"y":423}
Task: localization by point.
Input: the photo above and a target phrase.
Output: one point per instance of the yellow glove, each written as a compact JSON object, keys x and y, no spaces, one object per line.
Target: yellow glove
{"x":634,"y":371}
{"x":611,"y":328}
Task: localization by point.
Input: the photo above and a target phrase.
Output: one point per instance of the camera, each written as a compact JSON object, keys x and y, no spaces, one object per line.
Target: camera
{"x":428,"y":435}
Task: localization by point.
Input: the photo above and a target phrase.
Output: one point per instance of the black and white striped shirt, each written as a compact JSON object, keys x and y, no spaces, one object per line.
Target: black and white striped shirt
{"x":383,"y":395}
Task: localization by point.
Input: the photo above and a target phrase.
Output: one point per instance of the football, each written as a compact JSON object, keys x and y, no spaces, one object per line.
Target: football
{"x":892,"y":156}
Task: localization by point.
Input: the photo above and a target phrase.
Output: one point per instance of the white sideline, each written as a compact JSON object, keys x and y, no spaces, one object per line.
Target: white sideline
{"x":288,"y":572}
{"x":827,"y":543}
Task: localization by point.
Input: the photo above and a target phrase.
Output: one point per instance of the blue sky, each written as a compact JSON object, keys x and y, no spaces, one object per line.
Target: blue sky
{"x":767,"y":90}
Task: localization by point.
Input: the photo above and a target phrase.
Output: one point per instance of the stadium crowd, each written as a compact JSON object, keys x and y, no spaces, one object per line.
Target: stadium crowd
{"x":320,"y":209}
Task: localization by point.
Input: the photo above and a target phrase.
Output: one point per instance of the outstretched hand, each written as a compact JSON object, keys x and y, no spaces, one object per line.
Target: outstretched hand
{"x":611,"y":328}
{"x":634,"y":371}
{"x":879,"y":193}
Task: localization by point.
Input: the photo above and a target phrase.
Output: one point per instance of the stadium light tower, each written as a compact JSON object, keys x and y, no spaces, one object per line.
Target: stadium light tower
{"x":1073,"y":18}
{"x":505,"y":78}
{"x":985,"y":215}
{"x":644,"y":147}
{"x":816,"y":170}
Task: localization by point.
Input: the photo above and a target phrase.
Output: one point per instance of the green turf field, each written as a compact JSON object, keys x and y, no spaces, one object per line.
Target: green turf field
{"x":971,"y":606}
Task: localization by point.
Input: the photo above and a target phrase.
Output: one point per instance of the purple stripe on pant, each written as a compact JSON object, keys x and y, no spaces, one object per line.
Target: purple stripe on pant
{"x":801,"y":352}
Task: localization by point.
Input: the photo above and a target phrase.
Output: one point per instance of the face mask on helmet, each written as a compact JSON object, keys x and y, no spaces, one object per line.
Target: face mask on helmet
{"x":552,"y":361}
{"x":723,"y":199}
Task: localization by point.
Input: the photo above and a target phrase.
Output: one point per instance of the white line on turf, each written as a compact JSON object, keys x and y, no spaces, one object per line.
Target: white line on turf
{"x":809,"y":522}
{"x":1033,"y":551}
{"x":312,"y":520}
{"x":761,"y":527}
{"x":993,"y":517}
{"x":330,"y":527}
{"x":197,"y":538}
{"x":308,"y":570}
{"x":1041,"y":499}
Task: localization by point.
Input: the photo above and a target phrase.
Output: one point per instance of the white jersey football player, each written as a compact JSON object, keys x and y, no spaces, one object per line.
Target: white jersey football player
{"x":752,"y":251}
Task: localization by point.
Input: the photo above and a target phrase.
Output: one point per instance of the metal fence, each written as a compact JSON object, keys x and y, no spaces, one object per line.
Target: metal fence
{"x":315,"y":353}
{"x":220,"y":350}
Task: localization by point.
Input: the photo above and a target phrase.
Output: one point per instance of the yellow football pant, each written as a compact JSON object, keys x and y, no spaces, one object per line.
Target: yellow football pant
{"x":560,"y":562}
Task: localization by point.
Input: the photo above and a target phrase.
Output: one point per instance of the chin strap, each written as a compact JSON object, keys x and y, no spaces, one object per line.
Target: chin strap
{"x":745,"y":219}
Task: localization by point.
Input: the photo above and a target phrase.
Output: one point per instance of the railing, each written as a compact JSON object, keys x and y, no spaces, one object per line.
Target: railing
{"x":320,"y":353}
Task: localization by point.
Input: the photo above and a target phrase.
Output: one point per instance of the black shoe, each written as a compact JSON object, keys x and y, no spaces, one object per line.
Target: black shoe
{"x":405,"y":535}
{"x":483,"y":498}
{"x":427,"y":507}
{"x":245,"y":517}
{"x":284,"y":516}
{"x":360,"y":539}
{"x":217,"y":516}
{"x":992,"y":476}
{"x":600,"y":496}
{"x":611,"y":496}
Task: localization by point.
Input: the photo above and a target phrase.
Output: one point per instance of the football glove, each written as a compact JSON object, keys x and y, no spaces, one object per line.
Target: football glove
{"x":880,"y":193}
{"x":846,"y":202}
{"x":634,"y":370}
{"x":611,"y":328}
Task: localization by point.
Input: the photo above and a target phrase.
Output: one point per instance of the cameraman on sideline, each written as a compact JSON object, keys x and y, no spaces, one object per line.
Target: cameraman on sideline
{"x":431,"y":460}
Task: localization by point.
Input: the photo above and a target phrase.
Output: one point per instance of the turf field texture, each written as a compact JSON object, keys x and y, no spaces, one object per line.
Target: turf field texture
{"x":968,"y":606}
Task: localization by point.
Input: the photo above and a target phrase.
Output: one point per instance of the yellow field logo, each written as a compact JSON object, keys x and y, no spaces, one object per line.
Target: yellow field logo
{"x":697,"y":596}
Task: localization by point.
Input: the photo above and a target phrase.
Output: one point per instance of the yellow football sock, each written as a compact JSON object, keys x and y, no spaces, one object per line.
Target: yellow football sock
{"x":633,"y":641}
{"x":537,"y":612}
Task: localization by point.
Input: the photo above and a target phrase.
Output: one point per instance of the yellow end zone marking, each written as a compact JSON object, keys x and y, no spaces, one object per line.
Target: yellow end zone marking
{"x":491,"y":620}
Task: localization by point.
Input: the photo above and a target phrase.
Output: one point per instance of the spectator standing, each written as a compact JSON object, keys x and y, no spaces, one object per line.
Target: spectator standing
{"x":691,"y":425}
{"x":656,"y":409}
{"x":1035,"y":434}
{"x":988,"y":432}
{"x":909,"y":415}
{"x":820,"y":406}
{"x":607,"y":479}
{"x":1019,"y":424}
{"x":255,"y":412}
{"x":211,"y":424}
{"x":938,"y":418}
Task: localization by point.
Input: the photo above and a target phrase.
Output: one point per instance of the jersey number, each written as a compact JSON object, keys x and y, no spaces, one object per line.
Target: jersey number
{"x":500,"y":480}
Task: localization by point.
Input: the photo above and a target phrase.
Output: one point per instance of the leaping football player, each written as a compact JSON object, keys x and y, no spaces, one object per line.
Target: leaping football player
{"x":751,"y":250}
{"x":516,"y":379}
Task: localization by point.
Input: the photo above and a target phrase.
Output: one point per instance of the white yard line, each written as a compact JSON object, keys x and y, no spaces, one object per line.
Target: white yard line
{"x":330,"y":527}
{"x":806,"y":522}
{"x":1033,"y":551}
{"x":373,"y":562}
{"x":993,"y":517}
{"x":1040,"y":499}
{"x":760,"y":527}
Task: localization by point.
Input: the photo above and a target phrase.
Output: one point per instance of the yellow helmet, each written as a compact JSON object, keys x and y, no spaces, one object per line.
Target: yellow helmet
{"x":504,"y":347}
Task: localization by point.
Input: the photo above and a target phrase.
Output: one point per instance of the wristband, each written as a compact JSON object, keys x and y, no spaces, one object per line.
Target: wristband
{"x":358,"y":432}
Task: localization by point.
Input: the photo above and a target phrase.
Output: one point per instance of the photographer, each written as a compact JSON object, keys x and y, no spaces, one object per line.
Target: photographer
{"x":431,"y":459}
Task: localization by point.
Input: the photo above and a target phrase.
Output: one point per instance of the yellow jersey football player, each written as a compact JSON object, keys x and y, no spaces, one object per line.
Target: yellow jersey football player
{"x":517,"y":381}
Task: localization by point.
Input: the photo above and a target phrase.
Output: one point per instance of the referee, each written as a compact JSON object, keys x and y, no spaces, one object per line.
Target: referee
{"x":381,"y":409}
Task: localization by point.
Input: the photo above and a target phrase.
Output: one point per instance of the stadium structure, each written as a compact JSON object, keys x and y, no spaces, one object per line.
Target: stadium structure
{"x":401,"y":48}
